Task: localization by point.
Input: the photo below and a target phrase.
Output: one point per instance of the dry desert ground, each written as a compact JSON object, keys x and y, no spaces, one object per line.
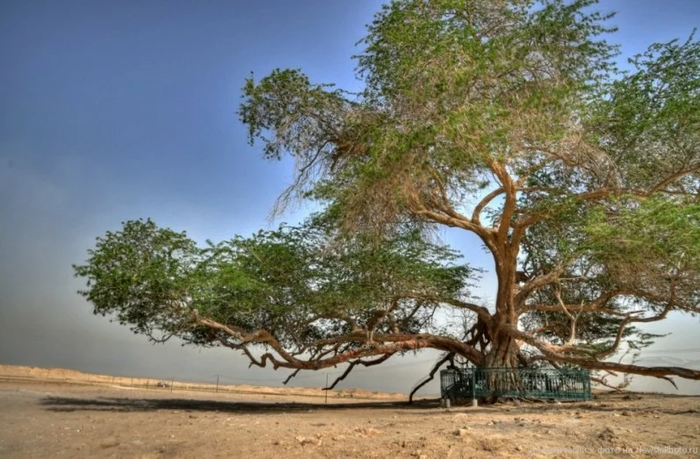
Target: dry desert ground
{"x":72,"y":417}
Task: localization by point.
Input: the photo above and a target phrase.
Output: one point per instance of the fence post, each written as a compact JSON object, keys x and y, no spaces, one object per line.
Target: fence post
{"x":326,"y":388}
{"x":172,"y":383}
{"x":217,"y":383}
{"x":474,"y":403}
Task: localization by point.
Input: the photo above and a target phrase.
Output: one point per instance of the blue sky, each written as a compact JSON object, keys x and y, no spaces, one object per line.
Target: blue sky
{"x":117,"y":110}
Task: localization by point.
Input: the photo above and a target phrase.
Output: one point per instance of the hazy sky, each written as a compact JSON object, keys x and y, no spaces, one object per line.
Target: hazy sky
{"x":116,"y":110}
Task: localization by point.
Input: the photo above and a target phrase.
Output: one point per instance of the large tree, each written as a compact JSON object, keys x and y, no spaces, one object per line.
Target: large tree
{"x":505,"y":119}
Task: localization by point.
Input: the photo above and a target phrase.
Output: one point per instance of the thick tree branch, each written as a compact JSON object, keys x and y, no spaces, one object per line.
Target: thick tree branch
{"x":486,"y":234}
{"x":631,"y":319}
{"x":673,"y":177}
{"x":392,"y":343}
{"x":536,"y":283}
{"x":509,"y":207}
{"x":550,"y":353}
{"x":597,"y":304}
{"x":476,"y":214}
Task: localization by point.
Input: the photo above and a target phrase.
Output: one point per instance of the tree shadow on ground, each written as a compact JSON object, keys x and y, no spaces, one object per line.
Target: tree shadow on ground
{"x":115,"y":404}
{"x":120,"y":404}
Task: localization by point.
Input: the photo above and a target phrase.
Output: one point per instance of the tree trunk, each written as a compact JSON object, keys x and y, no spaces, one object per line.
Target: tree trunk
{"x":504,"y":350}
{"x":502,"y":355}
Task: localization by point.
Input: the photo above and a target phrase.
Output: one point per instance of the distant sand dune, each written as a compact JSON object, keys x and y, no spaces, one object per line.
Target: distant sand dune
{"x":15,"y":372}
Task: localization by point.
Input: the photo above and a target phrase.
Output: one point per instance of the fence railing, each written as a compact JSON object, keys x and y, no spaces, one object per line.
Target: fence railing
{"x":540,"y":383}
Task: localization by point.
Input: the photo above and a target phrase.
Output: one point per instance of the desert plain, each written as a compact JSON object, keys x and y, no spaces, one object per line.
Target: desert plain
{"x":61,"y":413}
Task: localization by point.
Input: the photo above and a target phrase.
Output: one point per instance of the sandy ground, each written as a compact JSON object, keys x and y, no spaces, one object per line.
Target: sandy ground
{"x":56,"y":419}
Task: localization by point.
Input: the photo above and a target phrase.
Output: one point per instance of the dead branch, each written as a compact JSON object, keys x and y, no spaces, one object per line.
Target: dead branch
{"x":365,"y":363}
{"x":441,"y":362}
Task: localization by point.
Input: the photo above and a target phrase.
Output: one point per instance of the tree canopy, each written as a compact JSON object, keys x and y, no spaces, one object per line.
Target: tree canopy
{"x":506,"y":119}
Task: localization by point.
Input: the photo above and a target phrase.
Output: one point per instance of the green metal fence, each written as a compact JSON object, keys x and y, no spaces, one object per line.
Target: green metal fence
{"x":542,"y":383}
